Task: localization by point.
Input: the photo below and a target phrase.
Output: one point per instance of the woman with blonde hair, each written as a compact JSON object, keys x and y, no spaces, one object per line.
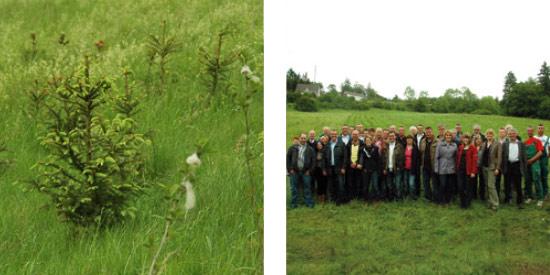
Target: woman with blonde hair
{"x":491,"y":157}
{"x":445,"y":166}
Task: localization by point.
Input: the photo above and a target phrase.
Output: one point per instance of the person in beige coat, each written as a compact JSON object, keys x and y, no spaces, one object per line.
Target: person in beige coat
{"x":490,"y":159}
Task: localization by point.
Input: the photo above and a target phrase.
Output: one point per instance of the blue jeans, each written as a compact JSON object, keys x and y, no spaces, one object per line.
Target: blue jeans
{"x":394,"y":187}
{"x":409,"y":182}
{"x":300,"y":178}
{"x":367,"y":178}
{"x":428,"y":174}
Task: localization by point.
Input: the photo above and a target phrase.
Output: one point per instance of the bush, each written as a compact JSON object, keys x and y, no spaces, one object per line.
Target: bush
{"x":307,"y":103}
{"x":360,"y":105}
{"x":291,"y":96}
{"x":93,"y":161}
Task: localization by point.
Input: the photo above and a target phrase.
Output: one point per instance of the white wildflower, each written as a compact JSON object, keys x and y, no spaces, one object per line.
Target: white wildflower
{"x":246,"y":71}
{"x":194,"y":160}
{"x":255,"y":79}
{"x":189,"y":194}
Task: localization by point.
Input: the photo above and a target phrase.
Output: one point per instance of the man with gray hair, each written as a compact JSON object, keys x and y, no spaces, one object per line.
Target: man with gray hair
{"x":477,"y":131}
{"x":514,"y":166}
{"x":326,"y":133}
{"x":312,"y":141}
{"x":508,"y":128}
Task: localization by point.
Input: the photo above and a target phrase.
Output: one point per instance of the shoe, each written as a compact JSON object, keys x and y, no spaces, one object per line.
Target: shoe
{"x":539,"y":204}
{"x":528,"y":201}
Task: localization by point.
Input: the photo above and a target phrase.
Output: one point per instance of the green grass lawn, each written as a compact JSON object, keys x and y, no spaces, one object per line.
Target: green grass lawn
{"x":414,"y":237}
{"x":219,"y":234}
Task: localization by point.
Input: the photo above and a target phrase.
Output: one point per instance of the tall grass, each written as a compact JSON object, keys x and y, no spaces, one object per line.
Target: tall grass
{"x":214,"y":237}
{"x":414,"y":237}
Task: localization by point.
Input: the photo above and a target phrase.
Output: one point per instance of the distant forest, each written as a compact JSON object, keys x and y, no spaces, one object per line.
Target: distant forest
{"x":529,"y":98}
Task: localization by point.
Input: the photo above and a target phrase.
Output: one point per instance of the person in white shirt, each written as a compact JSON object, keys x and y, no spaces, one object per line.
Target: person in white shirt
{"x":543,"y":160}
{"x":344,"y":137}
{"x":514,"y":166}
{"x":393,"y":163}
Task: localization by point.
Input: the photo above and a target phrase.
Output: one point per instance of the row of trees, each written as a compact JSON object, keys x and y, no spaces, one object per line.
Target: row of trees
{"x":524,"y":99}
{"x":461,"y":100}
{"x":530,"y":98}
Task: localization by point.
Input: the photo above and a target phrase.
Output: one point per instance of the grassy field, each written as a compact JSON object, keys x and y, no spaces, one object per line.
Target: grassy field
{"x":414,"y":237}
{"x":217,"y":236}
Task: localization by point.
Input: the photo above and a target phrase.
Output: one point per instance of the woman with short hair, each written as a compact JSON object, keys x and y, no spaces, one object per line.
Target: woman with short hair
{"x":445,"y":166}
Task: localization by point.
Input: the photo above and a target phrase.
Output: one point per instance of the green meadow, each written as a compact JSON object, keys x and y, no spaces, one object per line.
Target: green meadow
{"x":414,"y":237}
{"x":219,"y":235}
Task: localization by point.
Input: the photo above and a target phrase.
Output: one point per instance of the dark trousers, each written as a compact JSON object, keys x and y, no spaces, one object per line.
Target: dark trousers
{"x":368,"y":177}
{"x":427,"y":175}
{"x":355,"y":183}
{"x":444,"y":190}
{"x":512,"y":177}
{"x":479,"y":192}
{"x":321,"y":182}
{"x":417,"y":184}
{"x":382,"y":186}
{"x":465,"y":188}
{"x":393,"y":184}
{"x":336,"y":181}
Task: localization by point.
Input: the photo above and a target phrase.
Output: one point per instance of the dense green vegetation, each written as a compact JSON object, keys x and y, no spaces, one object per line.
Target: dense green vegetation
{"x":177,"y":110}
{"x":414,"y":237}
{"x":530,"y":98}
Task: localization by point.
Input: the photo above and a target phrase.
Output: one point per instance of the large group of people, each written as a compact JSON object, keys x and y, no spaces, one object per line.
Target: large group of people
{"x":375,"y":165}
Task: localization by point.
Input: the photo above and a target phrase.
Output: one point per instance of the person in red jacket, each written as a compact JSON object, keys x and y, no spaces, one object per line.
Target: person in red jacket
{"x":466,"y":167}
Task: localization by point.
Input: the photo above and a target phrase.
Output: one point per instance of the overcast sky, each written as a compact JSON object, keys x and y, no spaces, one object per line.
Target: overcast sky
{"x":428,"y":45}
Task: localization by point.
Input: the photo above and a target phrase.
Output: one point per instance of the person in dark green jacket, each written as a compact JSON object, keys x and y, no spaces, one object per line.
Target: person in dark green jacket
{"x":300,"y":164}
